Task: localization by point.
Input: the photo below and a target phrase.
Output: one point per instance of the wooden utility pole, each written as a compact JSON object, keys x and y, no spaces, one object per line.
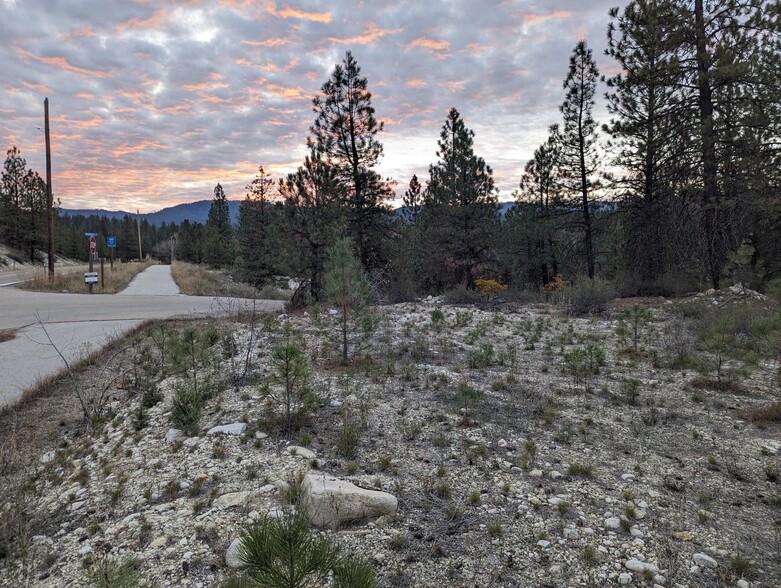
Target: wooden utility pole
{"x":138,"y":224}
{"x":49,"y":196}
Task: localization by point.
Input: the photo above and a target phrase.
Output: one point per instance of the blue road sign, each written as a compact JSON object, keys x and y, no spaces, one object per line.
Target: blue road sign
{"x":111,"y":242}
{"x":90,"y":234}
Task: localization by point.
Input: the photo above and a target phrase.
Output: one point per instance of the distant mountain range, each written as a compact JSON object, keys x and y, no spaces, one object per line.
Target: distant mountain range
{"x":195,"y":212}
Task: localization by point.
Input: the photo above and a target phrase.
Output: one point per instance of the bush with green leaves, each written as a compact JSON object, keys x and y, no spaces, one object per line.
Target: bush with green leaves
{"x":285,"y":553}
{"x":583,"y":362}
{"x":633,"y":323}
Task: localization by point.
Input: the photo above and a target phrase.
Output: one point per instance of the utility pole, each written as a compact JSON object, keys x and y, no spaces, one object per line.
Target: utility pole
{"x":138,"y":223}
{"x":49,"y":196}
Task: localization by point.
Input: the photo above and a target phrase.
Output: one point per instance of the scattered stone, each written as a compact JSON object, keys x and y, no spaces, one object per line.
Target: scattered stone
{"x":232,"y":555}
{"x":636,"y":565}
{"x":301,"y":452}
{"x":704,"y":561}
{"x":535,"y":474}
{"x":231,"y":429}
{"x":48,"y":457}
{"x":625,"y":579}
{"x":613,"y":523}
{"x":232,"y":499}
{"x":172,"y":435}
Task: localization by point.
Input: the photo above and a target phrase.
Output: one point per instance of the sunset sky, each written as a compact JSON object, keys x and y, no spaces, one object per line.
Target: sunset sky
{"x":154,"y":102}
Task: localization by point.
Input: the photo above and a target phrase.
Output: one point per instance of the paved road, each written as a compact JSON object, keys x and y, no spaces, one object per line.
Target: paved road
{"x":10,"y":277}
{"x":81,"y":322}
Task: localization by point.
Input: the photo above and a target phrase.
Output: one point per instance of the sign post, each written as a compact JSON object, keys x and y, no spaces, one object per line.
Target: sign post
{"x":93,"y":248}
{"x":111,"y":243}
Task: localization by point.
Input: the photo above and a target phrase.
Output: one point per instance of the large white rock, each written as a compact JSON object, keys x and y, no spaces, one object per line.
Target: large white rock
{"x":329,"y":501}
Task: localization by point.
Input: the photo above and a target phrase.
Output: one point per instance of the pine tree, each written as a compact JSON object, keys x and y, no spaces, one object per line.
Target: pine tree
{"x":258,"y":241}
{"x":645,"y":107}
{"x":413,"y":200}
{"x":314,"y":213}
{"x":346,"y":286}
{"x":579,"y":158}
{"x":345,"y":131}
{"x":460,"y":206}
{"x":537,"y":206}
{"x":720,"y":50}
{"x":13,"y":191}
{"x":34,"y":205}
{"x":218,"y":240}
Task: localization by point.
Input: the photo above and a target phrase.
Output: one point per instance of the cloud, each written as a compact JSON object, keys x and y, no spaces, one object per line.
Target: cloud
{"x":154,"y":102}
{"x":290,"y":12}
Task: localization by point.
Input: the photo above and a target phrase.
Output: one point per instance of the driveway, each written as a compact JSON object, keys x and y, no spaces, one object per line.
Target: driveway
{"x":79,"y":323}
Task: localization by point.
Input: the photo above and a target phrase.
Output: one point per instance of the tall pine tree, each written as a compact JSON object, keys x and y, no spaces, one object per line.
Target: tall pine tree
{"x":460,"y":206}
{"x":314,"y":212}
{"x":258,"y":241}
{"x":345,"y":131}
{"x":219,"y":248}
{"x":579,"y":160}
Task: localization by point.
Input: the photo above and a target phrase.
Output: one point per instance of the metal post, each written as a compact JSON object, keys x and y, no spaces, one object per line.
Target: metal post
{"x":102,"y":274}
{"x":90,"y":269}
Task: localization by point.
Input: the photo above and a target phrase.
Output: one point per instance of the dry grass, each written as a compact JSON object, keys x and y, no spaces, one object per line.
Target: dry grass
{"x":116,"y":279}
{"x":764,"y":415}
{"x":196,"y":280}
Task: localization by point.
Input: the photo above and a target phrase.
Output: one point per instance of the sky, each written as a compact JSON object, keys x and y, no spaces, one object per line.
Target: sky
{"x":152,"y":103}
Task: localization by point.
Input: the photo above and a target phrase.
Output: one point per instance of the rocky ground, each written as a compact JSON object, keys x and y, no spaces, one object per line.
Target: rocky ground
{"x":510,"y":465}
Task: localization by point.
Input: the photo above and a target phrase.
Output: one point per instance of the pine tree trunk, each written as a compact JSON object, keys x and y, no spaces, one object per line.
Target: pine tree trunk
{"x":710,"y":195}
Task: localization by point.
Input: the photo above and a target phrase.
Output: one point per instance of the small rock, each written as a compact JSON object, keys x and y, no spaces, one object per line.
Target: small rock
{"x":232,"y":499}
{"x":636,"y":565}
{"x":301,"y":452}
{"x":743,"y":584}
{"x":85,"y":549}
{"x":555,"y":475}
{"x":172,"y":435}
{"x":535,"y":474}
{"x":683,"y":535}
{"x":625,"y":579}
{"x":231,"y":429}
{"x":48,"y":457}
{"x":232,"y":555}
{"x":543,"y":543}
{"x":159,"y":542}
{"x":613,"y":523}
{"x":704,"y":561}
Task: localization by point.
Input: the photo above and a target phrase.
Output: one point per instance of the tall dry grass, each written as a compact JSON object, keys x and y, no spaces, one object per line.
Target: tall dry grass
{"x":116,"y":279}
{"x":196,"y":280}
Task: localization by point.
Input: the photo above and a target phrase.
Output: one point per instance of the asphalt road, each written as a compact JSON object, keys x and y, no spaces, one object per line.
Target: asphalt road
{"x":79,"y":323}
